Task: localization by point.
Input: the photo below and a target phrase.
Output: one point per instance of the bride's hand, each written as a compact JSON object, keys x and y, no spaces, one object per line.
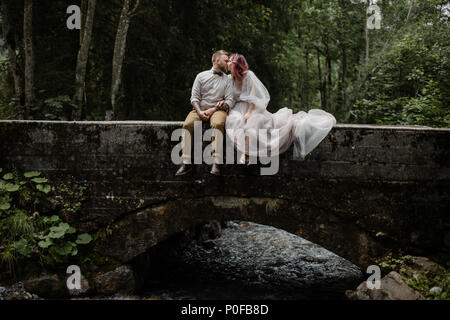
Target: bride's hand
{"x":247,"y":116}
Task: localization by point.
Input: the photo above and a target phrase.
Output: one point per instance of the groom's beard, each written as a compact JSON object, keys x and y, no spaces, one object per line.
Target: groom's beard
{"x":224,"y":70}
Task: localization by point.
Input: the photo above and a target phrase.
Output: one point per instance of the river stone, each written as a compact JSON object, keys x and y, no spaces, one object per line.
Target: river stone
{"x":120,"y":280}
{"x":265,"y":257}
{"x":47,"y":286}
{"x":392,"y":287}
{"x":84,"y":288}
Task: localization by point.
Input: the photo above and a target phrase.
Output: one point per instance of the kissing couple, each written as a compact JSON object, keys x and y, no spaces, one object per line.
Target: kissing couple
{"x":237,"y":103}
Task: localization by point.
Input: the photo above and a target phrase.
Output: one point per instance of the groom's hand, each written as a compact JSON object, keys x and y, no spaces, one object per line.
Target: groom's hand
{"x":203,"y":115}
{"x":200,"y":113}
{"x":220,"y":104}
{"x":210,"y":112}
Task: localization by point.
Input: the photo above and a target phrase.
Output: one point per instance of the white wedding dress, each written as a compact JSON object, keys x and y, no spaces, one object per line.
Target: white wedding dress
{"x":282,"y":128}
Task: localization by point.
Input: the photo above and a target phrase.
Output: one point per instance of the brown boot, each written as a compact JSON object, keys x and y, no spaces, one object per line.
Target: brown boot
{"x":184,"y":168}
{"x":215,"y":169}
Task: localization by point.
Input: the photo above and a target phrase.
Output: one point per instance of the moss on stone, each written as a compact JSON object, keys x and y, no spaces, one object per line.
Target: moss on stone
{"x":61,"y":132}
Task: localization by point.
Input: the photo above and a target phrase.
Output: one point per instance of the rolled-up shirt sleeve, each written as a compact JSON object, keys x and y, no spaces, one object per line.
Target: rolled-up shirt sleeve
{"x":195,"y":94}
{"x":229,"y":100}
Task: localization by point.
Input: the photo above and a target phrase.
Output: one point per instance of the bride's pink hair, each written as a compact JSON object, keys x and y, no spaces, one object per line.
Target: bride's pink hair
{"x":239,"y":66}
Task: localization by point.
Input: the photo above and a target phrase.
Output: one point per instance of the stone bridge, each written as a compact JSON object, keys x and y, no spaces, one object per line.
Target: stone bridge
{"x":363,"y":191}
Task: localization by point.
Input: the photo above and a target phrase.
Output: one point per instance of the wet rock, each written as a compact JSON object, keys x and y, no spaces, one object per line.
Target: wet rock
{"x":83,"y":291}
{"x":16,"y":296}
{"x":436,"y":291}
{"x":267,"y":260}
{"x":211,"y":230}
{"x":393,"y":287}
{"x":15,"y":291}
{"x":47,"y":286}
{"x":119,"y":296}
{"x":120,"y":280}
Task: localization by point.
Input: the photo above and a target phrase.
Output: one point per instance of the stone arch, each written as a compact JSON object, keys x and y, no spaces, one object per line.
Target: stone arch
{"x":137,"y":232}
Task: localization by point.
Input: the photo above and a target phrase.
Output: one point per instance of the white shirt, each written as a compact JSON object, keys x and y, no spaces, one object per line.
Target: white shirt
{"x":210,"y":88}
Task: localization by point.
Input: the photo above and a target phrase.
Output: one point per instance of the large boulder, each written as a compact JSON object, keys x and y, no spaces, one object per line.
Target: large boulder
{"x":120,"y":280}
{"x":47,"y":286}
{"x":262,"y":261}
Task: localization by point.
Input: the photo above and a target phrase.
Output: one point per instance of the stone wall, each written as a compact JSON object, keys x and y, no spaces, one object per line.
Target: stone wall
{"x":364,"y":190}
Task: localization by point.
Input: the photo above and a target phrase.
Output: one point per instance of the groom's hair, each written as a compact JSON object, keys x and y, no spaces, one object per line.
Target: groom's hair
{"x":217,"y":54}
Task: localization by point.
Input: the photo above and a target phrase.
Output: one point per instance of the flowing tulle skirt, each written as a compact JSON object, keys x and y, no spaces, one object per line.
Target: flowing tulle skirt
{"x":270,"y":134}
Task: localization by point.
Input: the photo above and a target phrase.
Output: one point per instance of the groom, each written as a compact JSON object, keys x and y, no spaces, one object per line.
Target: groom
{"x":210,"y":87}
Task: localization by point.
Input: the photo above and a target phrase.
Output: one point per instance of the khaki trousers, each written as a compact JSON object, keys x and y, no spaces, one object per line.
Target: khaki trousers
{"x":217,"y":121}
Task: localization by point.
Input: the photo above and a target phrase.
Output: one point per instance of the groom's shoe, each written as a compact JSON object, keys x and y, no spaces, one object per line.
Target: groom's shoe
{"x":184,"y":168}
{"x":215,"y":169}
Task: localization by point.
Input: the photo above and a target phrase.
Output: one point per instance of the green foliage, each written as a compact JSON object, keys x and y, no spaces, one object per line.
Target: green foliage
{"x":309,"y":54}
{"x":411,"y":86}
{"x":25,"y":233}
{"x":421,"y":283}
{"x":74,"y":195}
{"x":57,"y":108}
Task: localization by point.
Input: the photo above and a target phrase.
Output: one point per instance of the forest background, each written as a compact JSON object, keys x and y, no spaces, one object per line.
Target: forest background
{"x":373,"y":62}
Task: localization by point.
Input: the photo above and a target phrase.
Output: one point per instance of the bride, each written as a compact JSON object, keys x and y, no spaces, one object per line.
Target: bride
{"x":249,"y":117}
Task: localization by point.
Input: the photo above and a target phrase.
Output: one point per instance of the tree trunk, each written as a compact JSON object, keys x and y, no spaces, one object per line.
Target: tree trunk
{"x":344,"y":84}
{"x":411,"y":5}
{"x":321,"y":85}
{"x":9,"y":38}
{"x":306,"y":92}
{"x":83,"y":53}
{"x":366,"y":62}
{"x":301,"y":77}
{"x":29,"y":55}
{"x":329,"y":84}
{"x":83,"y":12}
{"x":119,"y":55}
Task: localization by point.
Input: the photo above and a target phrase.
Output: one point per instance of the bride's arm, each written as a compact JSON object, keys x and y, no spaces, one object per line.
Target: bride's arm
{"x":249,"y":112}
{"x":254,"y":92}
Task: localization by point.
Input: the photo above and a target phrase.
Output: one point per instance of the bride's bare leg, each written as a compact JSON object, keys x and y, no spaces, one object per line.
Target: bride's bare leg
{"x":244,"y":157}
{"x":247,"y":160}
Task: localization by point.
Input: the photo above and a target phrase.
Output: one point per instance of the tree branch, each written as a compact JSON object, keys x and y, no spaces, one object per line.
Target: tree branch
{"x":132,"y":13}
{"x":409,"y":12}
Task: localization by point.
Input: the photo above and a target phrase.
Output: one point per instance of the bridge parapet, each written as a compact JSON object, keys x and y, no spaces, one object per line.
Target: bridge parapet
{"x":365,"y":189}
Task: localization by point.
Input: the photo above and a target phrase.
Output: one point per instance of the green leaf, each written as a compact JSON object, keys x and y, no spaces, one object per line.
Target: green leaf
{"x":8,"y":176}
{"x":31,"y":174}
{"x":56,"y":234}
{"x":84,"y":238}
{"x":39,"y":180}
{"x":51,"y":219}
{"x":45,"y":243}
{"x":4,"y":204}
{"x":10,"y":187}
{"x":71,"y":230}
{"x":59,"y":231}
{"x":65,"y":249}
{"x":44,"y":188}
{"x":22,"y":247}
